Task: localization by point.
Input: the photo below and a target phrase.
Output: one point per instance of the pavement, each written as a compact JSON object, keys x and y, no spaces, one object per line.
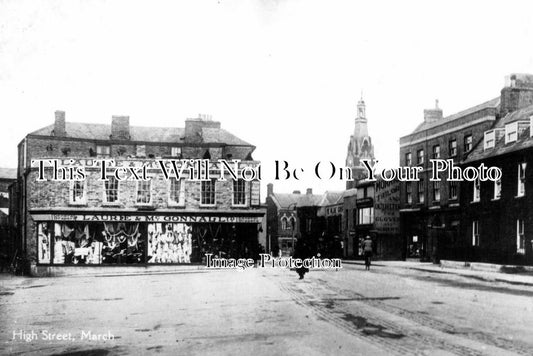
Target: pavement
{"x":396,"y":308}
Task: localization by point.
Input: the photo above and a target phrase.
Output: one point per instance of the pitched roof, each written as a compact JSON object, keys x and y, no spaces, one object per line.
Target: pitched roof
{"x":8,"y":173}
{"x":493,"y":103}
{"x":332,"y":198}
{"x":500,"y":147}
{"x":142,"y":133}
{"x":300,"y":200}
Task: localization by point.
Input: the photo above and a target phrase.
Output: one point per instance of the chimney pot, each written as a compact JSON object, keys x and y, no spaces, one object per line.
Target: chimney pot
{"x":309,"y":191}
{"x":120,"y":127}
{"x":270,"y":189}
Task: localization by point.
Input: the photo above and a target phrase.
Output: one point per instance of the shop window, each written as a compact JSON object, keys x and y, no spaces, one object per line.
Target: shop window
{"x":436,"y":191}
{"x":175,"y":191}
{"x":144,"y":192}
{"x":420,"y":157}
{"x":475,"y":233}
{"x":453,"y":148}
{"x":103,"y":151}
{"x":467,"y":143}
{"x":77,"y":193}
{"x":521,"y":189}
{"x":497,"y":189}
{"x":453,"y":186}
{"x":520,"y":237}
{"x":169,"y":243}
{"x":436,"y":151}
{"x":111,"y":190}
{"x":44,"y":235}
{"x":239,"y":192}
{"x":207,"y":193}
{"x":408,"y":159}
{"x":421,"y":195}
{"x":477,"y":190}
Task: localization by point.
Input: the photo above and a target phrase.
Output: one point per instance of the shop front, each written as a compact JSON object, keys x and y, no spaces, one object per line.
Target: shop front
{"x":140,"y":239}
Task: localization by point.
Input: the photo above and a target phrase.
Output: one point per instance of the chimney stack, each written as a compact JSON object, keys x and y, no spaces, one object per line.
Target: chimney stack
{"x":193,"y":127}
{"x":270,"y":189}
{"x":309,"y":191}
{"x":60,"y":124}
{"x":296,"y":192}
{"x":432,"y":115}
{"x":517,"y":93}
{"x":120,"y":127}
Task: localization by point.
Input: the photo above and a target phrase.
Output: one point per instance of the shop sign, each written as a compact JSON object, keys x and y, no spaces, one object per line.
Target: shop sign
{"x":148,"y":218}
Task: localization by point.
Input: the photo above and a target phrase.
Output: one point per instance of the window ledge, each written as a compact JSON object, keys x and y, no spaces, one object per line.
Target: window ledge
{"x":495,"y":199}
{"x":519,"y":196}
{"x":475,"y":201}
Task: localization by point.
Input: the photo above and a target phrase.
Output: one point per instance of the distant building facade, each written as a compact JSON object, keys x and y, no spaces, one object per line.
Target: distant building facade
{"x":7,"y":246}
{"x":159,"y":221}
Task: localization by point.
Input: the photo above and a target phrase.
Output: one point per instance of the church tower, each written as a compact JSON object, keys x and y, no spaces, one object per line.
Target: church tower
{"x":360,"y":146}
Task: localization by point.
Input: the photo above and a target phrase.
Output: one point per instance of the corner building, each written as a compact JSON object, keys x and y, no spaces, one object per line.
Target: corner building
{"x":95,"y":223}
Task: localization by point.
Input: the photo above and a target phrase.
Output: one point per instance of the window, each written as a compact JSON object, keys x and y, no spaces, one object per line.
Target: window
{"x":475,"y":233}
{"x":521,"y":191}
{"x":511,"y":132}
{"x":207,"y":193}
{"x":175,"y":151}
{"x":453,"y":189}
{"x":292,"y":223}
{"x":497,"y":189}
{"x":111,"y":190}
{"x":436,"y":191}
{"x":284,"y":225}
{"x":366,"y":216}
{"x":421,"y":196}
{"x":144,"y":192}
{"x":468,"y":143}
{"x":408,"y":192}
{"x":477,"y":190}
{"x":140,"y":151}
{"x":239,"y":192}
{"x":520,"y":237}
{"x":489,"y":140}
{"x":420,"y":157}
{"x":436,"y":151}
{"x":103,"y":151}
{"x":408,"y":159}
{"x":453,"y":148}
{"x":77,"y":194}
{"x":175,"y":191}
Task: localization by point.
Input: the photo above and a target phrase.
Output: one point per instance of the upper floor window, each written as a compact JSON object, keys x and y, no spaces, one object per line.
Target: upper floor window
{"x":78,"y":192}
{"x":140,"y":151}
{"x":366,"y":216}
{"x":175,"y":151}
{"x":453,"y":189}
{"x":420,"y":157}
{"x":436,"y":152}
{"x":144,"y":192}
{"x":292,"y":223}
{"x":475,"y":233}
{"x":239,"y":192}
{"x":497,"y":189}
{"x":284,"y":223}
{"x":521,"y":190}
{"x":421,"y":195}
{"x":520,"y":237}
{"x":489,"y":139}
{"x":408,"y":159}
{"x":103,"y":151}
{"x":436,"y":191}
{"x":511,"y":132}
{"x":207,"y":192}
{"x":453,"y":148}
{"x":468,"y":143}
{"x":408,"y":192}
{"x":111,"y":190}
{"x":477,"y":190}
{"x":175,"y":191}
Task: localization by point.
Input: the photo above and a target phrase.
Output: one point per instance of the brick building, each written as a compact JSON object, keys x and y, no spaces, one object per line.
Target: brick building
{"x":429,"y":211}
{"x":150,"y":222}
{"x":497,"y":224}
{"x":7,"y":248}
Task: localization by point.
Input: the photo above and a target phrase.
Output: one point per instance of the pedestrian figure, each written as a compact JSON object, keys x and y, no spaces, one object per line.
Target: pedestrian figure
{"x":367,"y":250}
{"x":302,"y":252}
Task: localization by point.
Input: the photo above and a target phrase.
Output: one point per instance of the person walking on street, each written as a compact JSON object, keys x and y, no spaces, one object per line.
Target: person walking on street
{"x":302,"y":252}
{"x":367,"y":251}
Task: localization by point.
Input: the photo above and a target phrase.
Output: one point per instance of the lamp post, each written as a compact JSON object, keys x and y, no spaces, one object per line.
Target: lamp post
{"x":293,"y":225}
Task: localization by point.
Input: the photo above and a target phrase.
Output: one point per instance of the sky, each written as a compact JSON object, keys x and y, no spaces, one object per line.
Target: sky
{"x":284,"y":76}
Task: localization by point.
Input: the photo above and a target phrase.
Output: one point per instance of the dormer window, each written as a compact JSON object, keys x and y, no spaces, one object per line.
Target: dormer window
{"x":103,"y":151}
{"x":490,"y":139}
{"x":140,"y":151}
{"x":175,"y":151}
{"x":511,"y":132}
